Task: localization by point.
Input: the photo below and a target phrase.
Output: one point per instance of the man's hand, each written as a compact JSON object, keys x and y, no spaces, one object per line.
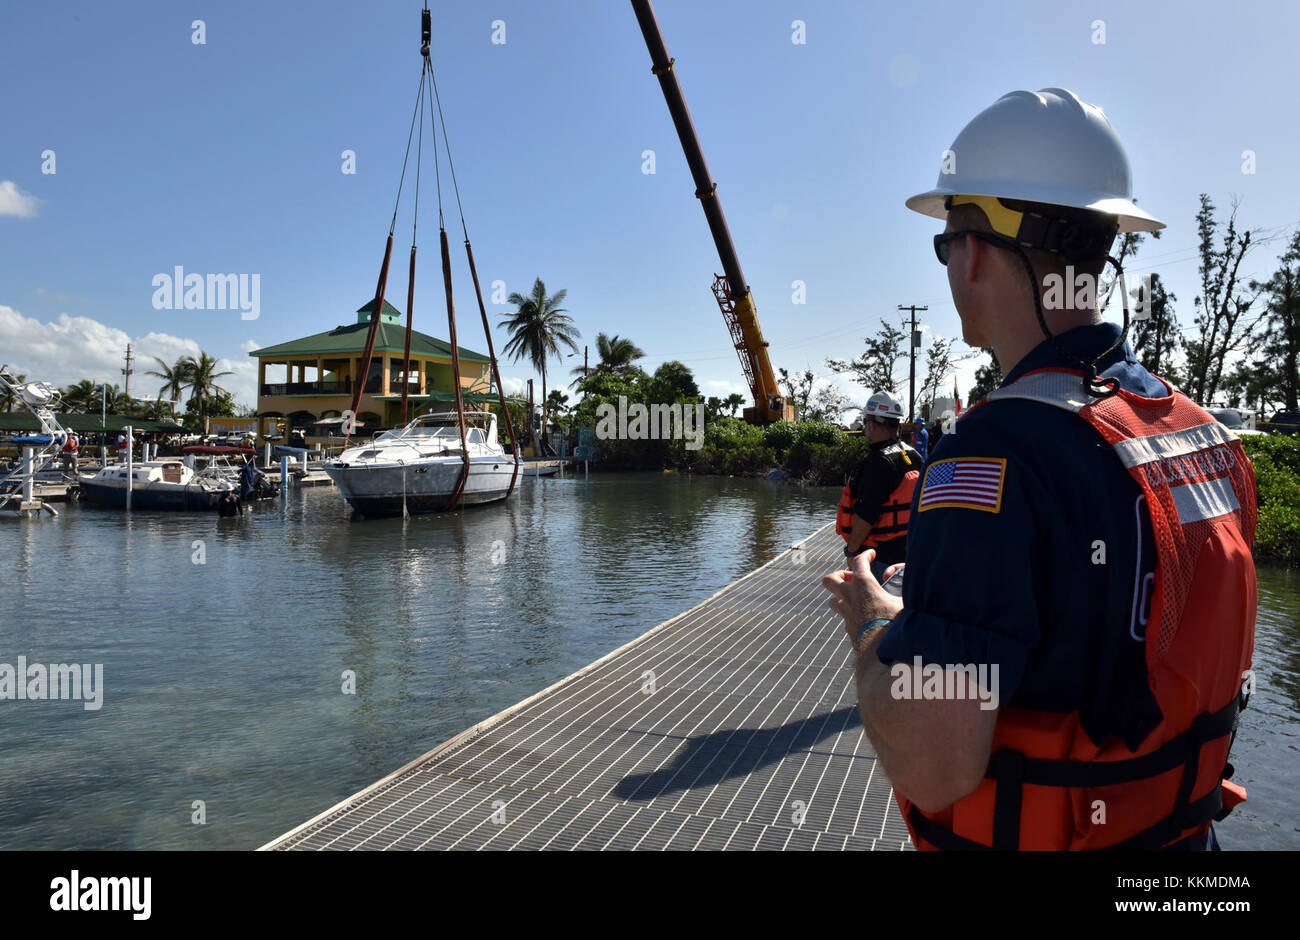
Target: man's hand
{"x":858,"y":596}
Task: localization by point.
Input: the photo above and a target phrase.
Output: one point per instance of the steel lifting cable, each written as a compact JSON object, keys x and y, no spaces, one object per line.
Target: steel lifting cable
{"x":360,"y":382}
{"x":410,"y":282}
{"x":417,"y":116}
{"x":478,"y":290}
{"x":463,"y":477}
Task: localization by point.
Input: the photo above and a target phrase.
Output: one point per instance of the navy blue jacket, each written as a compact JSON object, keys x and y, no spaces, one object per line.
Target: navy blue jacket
{"x":1049,"y":586}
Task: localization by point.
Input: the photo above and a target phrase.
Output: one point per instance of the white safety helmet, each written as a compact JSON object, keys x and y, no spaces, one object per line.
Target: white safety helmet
{"x":881,"y":406}
{"x":1046,"y":147}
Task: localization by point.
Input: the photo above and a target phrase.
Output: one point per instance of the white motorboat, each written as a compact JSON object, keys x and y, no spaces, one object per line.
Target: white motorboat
{"x":419,"y":466}
{"x":156,"y":484}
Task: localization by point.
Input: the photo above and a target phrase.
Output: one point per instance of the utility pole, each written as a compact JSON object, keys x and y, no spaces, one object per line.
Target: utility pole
{"x":913,"y":341}
{"x":128,"y":370}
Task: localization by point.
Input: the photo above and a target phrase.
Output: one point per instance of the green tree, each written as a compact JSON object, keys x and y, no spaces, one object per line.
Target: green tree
{"x":175,"y":378}
{"x":987,"y":378}
{"x":217,"y":403}
{"x":875,"y":369}
{"x":613,"y":354}
{"x":798,"y":389}
{"x":1225,"y":323}
{"x":939,"y":365}
{"x":734,"y":401}
{"x":518,"y":408}
{"x":8,"y":399}
{"x":558,"y":404}
{"x":81,"y":398}
{"x":606,"y":387}
{"x":202,"y":378}
{"x":828,"y":405}
{"x":1282,"y":337}
{"x":1129,"y":243}
{"x":537,"y":330}
{"x":1157,"y":338}
{"x":672,"y":382}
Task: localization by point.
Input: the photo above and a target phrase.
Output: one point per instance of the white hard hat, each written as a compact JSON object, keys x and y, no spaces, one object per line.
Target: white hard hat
{"x":881,"y":405}
{"x":1047,"y":147}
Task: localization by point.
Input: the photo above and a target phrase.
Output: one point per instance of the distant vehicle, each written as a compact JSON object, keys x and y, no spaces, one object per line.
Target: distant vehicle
{"x":1285,"y":422}
{"x":1231,"y":419}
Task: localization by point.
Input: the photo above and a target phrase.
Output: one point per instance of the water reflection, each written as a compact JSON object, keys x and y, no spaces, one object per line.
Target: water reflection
{"x":224,"y":679}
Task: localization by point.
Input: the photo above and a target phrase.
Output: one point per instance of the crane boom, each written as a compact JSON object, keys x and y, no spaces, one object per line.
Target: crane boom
{"x":732,"y":293}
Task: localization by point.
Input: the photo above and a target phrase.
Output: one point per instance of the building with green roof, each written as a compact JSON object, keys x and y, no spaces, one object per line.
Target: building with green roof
{"x":306,"y":384}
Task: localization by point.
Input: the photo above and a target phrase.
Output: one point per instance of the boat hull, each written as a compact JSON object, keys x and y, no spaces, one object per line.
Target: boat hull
{"x":422,"y":487}
{"x":175,"y":498}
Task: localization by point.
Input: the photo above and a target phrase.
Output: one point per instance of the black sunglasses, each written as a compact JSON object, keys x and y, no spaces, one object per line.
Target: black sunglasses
{"x":944,"y":239}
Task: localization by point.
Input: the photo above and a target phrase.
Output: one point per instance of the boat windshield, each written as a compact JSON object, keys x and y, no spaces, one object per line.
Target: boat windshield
{"x":441,"y":428}
{"x":444,"y":425}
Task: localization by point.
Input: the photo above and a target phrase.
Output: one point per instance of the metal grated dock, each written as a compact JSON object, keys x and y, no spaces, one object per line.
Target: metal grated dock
{"x":750,"y":739}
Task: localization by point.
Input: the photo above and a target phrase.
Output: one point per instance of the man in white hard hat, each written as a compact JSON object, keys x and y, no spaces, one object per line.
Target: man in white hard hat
{"x":877,"y":500}
{"x":1078,"y":575}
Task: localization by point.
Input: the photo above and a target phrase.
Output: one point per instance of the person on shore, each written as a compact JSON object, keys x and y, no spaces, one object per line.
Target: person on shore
{"x":921,"y":441}
{"x":70,"y":448}
{"x":1073,"y":644}
{"x":876,"y":503}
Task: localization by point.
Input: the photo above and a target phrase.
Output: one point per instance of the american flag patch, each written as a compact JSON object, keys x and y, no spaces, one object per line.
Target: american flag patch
{"x":963,"y":483}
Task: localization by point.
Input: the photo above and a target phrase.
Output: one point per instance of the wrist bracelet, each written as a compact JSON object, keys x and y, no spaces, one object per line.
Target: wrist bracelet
{"x":878,"y":622}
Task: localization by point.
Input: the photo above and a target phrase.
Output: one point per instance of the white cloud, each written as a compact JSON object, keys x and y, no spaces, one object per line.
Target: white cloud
{"x":514,"y":386}
{"x":721,"y":389}
{"x":13,"y":201}
{"x":70,"y":348}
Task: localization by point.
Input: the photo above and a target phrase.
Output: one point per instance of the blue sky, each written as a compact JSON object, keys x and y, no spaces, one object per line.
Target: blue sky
{"x":226,"y":158}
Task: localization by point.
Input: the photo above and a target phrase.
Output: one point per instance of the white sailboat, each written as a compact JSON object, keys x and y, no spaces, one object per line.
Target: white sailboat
{"x":417,"y":468}
{"x":156,"y":484}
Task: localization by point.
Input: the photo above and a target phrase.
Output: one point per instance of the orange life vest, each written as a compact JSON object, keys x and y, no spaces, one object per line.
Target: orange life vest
{"x":70,"y":445}
{"x":897,"y":510}
{"x":1048,"y":786}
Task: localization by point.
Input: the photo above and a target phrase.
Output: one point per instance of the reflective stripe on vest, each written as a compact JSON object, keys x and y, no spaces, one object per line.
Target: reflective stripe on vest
{"x":1048,"y":786}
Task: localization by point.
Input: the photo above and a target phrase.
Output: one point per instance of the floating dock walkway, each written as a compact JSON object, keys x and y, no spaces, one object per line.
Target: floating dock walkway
{"x":732,"y":726}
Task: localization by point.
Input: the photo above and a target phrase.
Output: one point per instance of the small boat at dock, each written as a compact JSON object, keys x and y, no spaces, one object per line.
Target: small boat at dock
{"x":156,"y":484}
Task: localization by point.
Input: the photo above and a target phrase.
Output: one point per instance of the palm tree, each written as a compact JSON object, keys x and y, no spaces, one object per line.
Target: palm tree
{"x":155,"y":411}
{"x":201,"y":376}
{"x":537,"y":329}
{"x":558,"y":404}
{"x":7,"y":397}
{"x":174,"y":379}
{"x":615,"y":354}
{"x":81,"y":398}
{"x":734,"y":401}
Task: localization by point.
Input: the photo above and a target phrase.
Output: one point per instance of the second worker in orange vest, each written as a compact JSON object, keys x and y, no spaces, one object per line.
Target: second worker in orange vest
{"x":877,"y":501}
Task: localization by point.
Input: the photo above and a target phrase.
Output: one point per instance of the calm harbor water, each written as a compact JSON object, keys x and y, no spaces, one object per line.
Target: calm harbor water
{"x":223,"y":678}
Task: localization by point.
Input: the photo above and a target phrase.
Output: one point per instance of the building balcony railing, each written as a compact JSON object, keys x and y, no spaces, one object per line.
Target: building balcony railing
{"x":309,"y":388}
{"x":338,"y":388}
